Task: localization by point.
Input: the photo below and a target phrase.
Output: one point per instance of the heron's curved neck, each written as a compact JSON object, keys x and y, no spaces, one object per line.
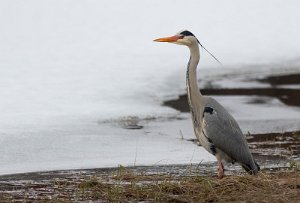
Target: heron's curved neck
{"x":194,"y":94}
{"x":195,"y":98}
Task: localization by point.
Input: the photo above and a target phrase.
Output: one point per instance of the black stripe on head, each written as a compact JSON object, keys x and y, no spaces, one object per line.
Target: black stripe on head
{"x":187,"y":33}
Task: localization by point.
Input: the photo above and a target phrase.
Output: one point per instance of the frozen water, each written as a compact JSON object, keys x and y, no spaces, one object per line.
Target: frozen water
{"x":67,"y":67}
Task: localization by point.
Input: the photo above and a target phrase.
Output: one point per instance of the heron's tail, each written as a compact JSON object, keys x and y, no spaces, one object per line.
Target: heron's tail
{"x":258,"y":167}
{"x":251,"y":169}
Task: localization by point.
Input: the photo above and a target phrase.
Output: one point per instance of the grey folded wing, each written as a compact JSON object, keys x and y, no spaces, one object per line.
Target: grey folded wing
{"x":224,"y":132}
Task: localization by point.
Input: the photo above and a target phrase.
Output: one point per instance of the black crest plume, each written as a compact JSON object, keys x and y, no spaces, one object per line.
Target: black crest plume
{"x":188,"y":33}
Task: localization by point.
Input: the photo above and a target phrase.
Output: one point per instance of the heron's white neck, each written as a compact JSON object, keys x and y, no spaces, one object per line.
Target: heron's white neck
{"x":195,"y":98}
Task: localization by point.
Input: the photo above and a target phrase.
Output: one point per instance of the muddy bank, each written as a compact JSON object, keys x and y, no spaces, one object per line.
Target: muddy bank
{"x":281,"y":146}
{"x":148,"y":183}
{"x":289,"y":96}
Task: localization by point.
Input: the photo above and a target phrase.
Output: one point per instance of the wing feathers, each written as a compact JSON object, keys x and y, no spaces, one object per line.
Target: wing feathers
{"x":225,"y":134}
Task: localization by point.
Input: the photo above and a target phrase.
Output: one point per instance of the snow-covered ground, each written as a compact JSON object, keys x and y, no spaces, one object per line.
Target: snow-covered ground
{"x":68,"y":68}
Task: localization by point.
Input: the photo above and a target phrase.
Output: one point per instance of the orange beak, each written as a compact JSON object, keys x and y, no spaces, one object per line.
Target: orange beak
{"x":168,"y":39}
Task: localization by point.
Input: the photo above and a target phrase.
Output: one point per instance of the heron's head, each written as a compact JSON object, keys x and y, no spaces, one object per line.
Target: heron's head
{"x":183,"y":38}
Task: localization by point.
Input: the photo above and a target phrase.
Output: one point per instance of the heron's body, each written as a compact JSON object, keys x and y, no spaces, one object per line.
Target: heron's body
{"x":217,"y":131}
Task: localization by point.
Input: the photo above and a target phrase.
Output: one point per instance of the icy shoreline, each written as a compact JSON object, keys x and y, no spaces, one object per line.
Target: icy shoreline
{"x":135,"y":141}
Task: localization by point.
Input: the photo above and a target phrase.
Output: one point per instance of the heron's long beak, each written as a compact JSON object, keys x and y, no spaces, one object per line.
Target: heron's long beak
{"x":167,"y":39}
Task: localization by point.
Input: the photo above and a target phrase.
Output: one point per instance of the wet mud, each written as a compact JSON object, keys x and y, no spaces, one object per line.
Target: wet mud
{"x":61,"y":186}
{"x":281,"y":145}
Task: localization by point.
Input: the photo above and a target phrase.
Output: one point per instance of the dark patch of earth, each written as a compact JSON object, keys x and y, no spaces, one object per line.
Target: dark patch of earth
{"x":288,"y":96}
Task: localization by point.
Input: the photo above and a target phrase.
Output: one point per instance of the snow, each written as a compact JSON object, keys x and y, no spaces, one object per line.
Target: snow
{"x":69,"y":66}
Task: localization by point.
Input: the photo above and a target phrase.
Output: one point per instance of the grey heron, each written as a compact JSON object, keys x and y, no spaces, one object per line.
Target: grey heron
{"x":216,"y":130}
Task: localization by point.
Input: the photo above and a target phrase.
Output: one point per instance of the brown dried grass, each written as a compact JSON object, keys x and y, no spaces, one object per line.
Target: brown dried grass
{"x":126,"y":185}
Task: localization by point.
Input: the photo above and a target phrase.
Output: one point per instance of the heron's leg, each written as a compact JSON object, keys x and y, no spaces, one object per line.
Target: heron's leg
{"x":221,"y":169}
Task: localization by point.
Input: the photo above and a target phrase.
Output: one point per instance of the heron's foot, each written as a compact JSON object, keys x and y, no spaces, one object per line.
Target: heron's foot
{"x":220,"y":170}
